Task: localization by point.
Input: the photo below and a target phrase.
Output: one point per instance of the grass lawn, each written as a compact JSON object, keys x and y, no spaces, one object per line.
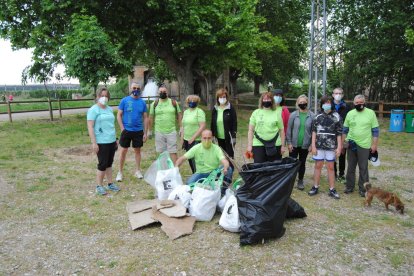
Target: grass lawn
{"x":51,"y":221}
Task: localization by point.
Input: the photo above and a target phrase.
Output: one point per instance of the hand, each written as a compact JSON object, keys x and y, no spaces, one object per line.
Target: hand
{"x":190,"y":141}
{"x":282,"y":150}
{"x":249,"y":148}
{"x":225,"y":170}
{"x":314,"y":150}
{"x":290,"y":148}
{"x":338,"y":151}
{"x":373,"y":148}
{"x":95,"y":147}
{"x":144,"y":138}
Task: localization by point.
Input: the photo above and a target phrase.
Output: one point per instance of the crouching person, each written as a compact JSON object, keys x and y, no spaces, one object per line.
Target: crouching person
{"x":207,"y":157}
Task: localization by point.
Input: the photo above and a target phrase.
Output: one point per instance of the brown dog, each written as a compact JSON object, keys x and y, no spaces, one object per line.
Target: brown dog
{"x":386,"y":197}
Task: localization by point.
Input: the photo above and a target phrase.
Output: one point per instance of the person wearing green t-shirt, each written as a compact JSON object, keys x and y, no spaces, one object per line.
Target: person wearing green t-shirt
{"x":360,"y":135}
{"x":193,"y":123}
{"x":299,"y":135}
{"x":207,"y":157}
{"x":265,"y":125}
{"x":164,"y":113}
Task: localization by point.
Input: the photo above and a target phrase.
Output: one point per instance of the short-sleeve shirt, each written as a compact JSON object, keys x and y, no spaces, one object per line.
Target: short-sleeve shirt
{"x":206,"y":160}
{"x":191,"y":122}
{"x":327,"y":128}
{"x":267,"y":123}
{"x":165,"y":116}
{"x":132,"y":109}
{"x":104,"y":125}
{"x":360,"y":124}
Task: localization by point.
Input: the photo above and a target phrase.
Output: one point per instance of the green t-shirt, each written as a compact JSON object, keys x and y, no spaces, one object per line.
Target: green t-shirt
{"x":191,"y":122}
{"x":360,"y":126}
{"x":165,"y":116}
{"x":301,"y":134}
{"x":220,"y":123}
{"x":206,"y":160}
{"x":266,"y":123}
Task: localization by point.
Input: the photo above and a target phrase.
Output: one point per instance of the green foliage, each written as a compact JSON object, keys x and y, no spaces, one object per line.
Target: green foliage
{"x":409,"y":35}
{"x":244,"y":86}
{"x":119,"y":89}
{"x":89,"y":54}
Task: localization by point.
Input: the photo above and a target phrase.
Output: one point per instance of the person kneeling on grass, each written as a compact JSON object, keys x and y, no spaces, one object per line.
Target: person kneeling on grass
{"x":208,"y":157}
{"x":101,"y":129}
{"x":326,"y":144}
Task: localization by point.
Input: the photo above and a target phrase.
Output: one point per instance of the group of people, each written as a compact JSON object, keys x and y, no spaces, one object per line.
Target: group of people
{"x":335,"y":132}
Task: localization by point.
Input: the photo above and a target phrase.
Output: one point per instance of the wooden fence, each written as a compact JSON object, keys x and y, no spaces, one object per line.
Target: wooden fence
{"x":381,"y":108}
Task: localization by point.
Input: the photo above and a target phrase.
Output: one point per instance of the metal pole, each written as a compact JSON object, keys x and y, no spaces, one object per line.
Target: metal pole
{"x":324,"y":49}
{"x":311,"y":53}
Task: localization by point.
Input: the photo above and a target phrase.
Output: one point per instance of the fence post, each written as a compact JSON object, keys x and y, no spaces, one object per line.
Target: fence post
{"x":60,"y":107}
{"x":50,"y":108}
{"x":381,"y":109}
{"x":237,"y":102}
{"x":9,"y":111}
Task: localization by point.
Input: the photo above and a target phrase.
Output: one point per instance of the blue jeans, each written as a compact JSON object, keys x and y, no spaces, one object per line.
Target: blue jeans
{"x":197,"y":176}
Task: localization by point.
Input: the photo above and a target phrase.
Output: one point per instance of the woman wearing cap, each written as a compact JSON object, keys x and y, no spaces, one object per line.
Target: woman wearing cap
{"x":282,"y":110}
{"x":224,"y":122}
{"x":265,"y":126}
{"x":299,"y":135}
{"x":193,"y":123}
{"x":101,"y":129}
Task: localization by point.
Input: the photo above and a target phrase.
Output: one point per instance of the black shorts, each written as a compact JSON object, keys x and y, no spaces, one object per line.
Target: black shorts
{"x":106,"y":155}
{"x":135,"y":136}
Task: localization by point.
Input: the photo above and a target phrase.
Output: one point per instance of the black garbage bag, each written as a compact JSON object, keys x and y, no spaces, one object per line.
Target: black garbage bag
{"x":262,"y":200}
{"x":294,"y":210}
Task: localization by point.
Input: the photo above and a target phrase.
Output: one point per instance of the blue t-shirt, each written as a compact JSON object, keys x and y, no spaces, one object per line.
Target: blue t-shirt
{"x":132,"y":113}
{"x":104,"y":126}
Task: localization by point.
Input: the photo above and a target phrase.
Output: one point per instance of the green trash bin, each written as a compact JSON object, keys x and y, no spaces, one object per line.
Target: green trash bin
{"x":409,"y":121}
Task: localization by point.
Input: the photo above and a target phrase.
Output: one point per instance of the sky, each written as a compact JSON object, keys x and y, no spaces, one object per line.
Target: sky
{"x":12,"y":64}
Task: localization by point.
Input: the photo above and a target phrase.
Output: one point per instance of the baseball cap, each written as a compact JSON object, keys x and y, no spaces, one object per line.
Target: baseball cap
{"x":373,"y":157}
{"x":277,"y":91}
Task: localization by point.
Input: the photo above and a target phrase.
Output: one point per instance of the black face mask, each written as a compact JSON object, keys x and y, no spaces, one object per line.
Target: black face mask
{"x":303,"y":106}
{"x":359,"y":107}
{"x":163,"y":95}
{"x":267,"y":104}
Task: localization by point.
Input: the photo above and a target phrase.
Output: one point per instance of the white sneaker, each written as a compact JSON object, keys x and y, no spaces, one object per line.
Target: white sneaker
{"x":119,"y":177}
{"x":139,"y":175}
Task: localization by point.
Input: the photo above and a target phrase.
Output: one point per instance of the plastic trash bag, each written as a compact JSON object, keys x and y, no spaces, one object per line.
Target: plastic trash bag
{"x":262,"y":200}
{"x":163,"y":162}
{"x":294,"y":210}
{"x":182,"y":193}
{"x":205,"y":196}
{"x":229,"y":219}
{"x":223,"y":200}
{"x":166,"y":181}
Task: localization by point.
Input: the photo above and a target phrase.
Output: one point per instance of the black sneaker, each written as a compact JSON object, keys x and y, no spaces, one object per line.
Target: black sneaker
{"x":333,"y":193}
{"x":300,"y":185}
{"x":313,"y":191}
{"x":349,"y":191}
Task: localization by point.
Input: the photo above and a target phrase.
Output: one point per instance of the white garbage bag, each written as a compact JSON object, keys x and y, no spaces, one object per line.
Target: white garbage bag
{"x":166,"y":181}
{"x":182,"y":193}
{"x":229,"y":219}
{"x":203,"y":203}
{"x":224,"y":199}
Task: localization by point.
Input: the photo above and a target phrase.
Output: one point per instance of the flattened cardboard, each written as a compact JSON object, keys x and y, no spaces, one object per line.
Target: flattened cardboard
{"x":172,"y":208}
{"x":174,"y":227}
{"x":140,"y":213}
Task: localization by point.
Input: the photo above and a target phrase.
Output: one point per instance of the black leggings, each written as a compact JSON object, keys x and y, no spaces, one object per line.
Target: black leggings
{"x":187,"y":147}
{"x":303,"y":154}
{"x":259,"y":154}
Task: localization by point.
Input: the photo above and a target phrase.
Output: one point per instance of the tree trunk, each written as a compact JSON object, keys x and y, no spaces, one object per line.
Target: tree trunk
{"x":185,"y":84}
{"x":234,"y":74}
{"x":257,"y":81}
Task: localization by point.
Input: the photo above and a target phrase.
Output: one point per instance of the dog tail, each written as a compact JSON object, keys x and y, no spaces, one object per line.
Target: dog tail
{"x":367,"y":186}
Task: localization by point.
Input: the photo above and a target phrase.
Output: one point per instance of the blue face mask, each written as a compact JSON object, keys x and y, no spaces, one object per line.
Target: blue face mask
{"x":326,"y":107}
{"x":136,"y":93}
{"x":192,"y":104}
{"x":278,"y":99}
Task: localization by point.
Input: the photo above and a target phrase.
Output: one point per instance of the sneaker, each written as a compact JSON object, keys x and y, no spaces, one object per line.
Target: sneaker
{"x":139,"y":175}
{"x":119,"y":177}
{"x":113,"y":187}
{"x":100,"y":190}
{"x":333,"y":193}
{"x":349,"y":191}
{"x":300,"y":185}
{"x":313,"y":191}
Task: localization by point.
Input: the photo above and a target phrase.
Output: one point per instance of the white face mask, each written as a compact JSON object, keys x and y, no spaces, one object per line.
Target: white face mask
{"x":222,"y":100}
{"x":103,"y":100}
{"x":337,"y":97}
{"x":278,"y":99}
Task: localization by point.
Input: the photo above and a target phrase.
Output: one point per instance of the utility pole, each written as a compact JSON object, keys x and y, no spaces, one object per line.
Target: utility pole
{"x":317,"y":53}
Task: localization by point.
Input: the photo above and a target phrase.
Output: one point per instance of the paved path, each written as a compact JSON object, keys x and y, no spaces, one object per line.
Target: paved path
{"x":43,"y":114}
